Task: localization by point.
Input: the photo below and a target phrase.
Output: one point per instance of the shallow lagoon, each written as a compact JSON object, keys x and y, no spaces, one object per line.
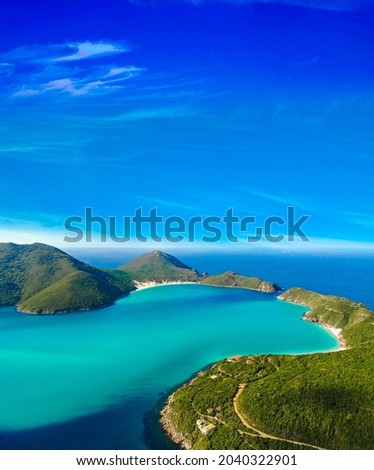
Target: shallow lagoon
{"x":87,"y":380}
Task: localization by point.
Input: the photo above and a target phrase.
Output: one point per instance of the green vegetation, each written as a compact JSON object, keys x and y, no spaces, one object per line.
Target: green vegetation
{"x":162,"y":267}
{"x":231,"y":279}
{"x":262,"y":402}
{"x":287,"y":402}
{"x":159,"y":267}
{"x":338,"y":312}
{"x":41,"y":279}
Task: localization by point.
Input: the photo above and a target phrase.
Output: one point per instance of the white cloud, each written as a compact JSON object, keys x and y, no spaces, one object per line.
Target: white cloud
{"x":68,"y":86}
{"x":52,"y":53}
{"x":116,"y":71}
{"x":87,"y":50}
{"x":62,"y":68}
{"x":65,"y":84}
{"x":26,"y":92}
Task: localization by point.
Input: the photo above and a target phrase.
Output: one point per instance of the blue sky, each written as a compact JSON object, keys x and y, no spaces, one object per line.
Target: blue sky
{"x":190,"y":106}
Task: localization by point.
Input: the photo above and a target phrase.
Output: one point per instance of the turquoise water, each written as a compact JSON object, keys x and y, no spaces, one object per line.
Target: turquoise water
{"x":60,"y":369}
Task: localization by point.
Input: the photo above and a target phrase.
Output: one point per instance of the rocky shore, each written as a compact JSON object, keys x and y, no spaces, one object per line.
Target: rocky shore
{"x":169,"y":428}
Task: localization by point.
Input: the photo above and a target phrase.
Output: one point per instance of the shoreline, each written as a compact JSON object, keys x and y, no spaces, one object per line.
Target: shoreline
{"x":168,"y":426}
{"x":336,"y":333}
{"x":149,"y":284}
{"x":166,"y":421}
{"x":240,"y":287}
{"x":181,"y":440}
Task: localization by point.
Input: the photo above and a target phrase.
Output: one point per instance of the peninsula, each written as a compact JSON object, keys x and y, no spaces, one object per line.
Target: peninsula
{"x":313,"y":401}
{"x":232,"y":279}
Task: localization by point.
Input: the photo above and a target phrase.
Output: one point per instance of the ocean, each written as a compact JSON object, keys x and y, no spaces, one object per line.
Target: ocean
{"x":93,"y":380}
{"x":348,"y":274}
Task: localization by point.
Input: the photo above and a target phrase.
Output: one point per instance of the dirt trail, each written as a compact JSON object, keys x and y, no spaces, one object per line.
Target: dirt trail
{"x":260,"y":433}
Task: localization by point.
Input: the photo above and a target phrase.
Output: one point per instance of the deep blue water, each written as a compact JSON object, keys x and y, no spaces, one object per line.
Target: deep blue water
{"x":345,"y":274}
{"x":349,"y":276}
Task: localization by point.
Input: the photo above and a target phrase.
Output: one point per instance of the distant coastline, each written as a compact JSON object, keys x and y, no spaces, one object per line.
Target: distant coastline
{"x":41,"y":279}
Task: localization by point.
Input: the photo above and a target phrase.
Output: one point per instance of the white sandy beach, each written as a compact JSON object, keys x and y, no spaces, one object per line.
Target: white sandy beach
{"x":337,"y":333}
{"x":147,"y":285}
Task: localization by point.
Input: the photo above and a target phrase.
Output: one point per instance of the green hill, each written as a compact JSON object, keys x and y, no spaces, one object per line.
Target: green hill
{"x":39,"y":278}
{"x":231,"y":279}
{"x":159,"y":267}
{"x":338,"y":312}
{"x":162,"y":267}
{"x":286,"y":402}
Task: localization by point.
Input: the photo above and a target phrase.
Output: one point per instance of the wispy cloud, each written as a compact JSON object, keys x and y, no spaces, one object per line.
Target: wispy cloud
{"x":32,"y":218}
{"x":6,"y":69}
{"x":358,"y":218}
{"x":129,"y":71}
{"x":66,"y":85}
{"x":88,"y":50}
{"x":72,"y":69}
{"x":154,"y":113}
{"x":53,"y":152}
{"x":21,"y":149}
{"x":332,"y":5}
{"x":168,"y":203}
{"x":26,"y":92}
{"x":72,"y":52}
{"x":273,"y":197}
